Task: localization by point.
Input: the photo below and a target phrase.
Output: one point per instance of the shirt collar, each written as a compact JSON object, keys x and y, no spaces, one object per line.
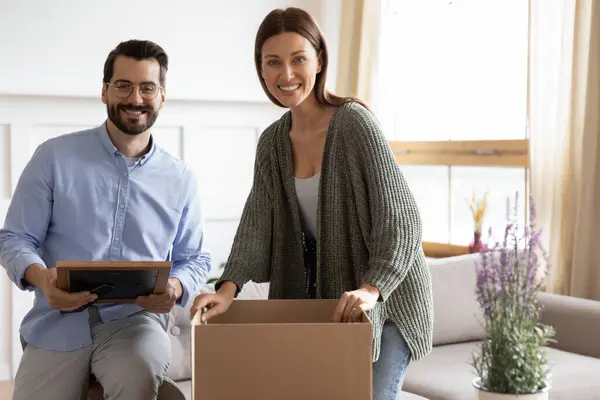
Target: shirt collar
{"x":112,"y":150}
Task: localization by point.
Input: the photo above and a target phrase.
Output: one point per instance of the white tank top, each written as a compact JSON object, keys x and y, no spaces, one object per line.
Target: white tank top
{"x":307,"y":191}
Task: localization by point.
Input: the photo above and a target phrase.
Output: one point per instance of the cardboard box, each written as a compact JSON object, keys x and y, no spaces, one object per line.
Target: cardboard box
{"x":281,"y":349}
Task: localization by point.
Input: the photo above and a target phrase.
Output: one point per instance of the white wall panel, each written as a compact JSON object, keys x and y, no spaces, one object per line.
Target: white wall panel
{"x":210,"y":43}
{"x":219,"y":237}
{"x":6,"y":329}
{"x":20,"y":303}
{"x":223,"y":159}
{"x":40,"y":133}
{"x":5,"y":190}
{"x":169,"y":138}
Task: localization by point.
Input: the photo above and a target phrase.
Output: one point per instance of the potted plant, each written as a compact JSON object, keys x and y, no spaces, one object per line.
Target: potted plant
{"x":511,"y":362}
{"x":478,"y":210}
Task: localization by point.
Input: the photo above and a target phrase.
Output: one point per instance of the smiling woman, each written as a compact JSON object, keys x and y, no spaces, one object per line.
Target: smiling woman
{"x":296,"y":46}
{"x":289,"y":67}
{"x":329,"y":215}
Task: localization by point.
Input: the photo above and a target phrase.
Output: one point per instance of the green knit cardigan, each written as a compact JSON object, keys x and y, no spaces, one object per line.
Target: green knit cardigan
{"x":368,"y":227}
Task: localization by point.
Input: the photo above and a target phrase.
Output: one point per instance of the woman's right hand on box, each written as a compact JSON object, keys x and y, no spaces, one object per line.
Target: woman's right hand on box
{"x":215,"y":303}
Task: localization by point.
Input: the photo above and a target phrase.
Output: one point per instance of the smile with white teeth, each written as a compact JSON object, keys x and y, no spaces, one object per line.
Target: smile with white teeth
{"x":133,"y":112}
{"x":290,"y":88}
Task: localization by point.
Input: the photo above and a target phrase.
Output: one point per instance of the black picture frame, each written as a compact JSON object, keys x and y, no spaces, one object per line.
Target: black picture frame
{"x":114,"y":281}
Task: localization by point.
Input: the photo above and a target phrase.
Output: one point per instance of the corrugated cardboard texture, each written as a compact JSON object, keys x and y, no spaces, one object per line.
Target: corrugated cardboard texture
{"x":281,"y":349}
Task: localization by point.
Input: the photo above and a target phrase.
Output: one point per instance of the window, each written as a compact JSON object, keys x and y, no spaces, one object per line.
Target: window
{"x":451,"y":86}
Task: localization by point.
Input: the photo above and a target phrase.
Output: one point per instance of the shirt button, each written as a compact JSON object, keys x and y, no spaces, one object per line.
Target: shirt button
{"x":117,"y":239}
{"x":125,"y":174}
{"x":121,"y":205}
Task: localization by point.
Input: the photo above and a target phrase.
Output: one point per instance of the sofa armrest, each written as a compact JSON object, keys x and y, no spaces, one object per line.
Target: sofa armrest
{"x":179,"y":331}
{"x":576,"y":322}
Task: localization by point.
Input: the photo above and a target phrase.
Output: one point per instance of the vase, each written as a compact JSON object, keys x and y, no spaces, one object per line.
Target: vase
{"x":476,"y":244}
{"x":483,"y":394}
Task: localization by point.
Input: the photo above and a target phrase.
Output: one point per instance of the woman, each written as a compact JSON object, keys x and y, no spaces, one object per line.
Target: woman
{"x":329,"y":214}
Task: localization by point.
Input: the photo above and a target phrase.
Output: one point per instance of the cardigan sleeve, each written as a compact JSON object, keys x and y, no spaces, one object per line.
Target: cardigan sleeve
{"x":249,"y":259}
{"x":396,"y":228}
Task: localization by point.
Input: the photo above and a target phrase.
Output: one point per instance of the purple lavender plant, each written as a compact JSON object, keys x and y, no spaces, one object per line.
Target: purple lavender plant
{"x":511,"y":359}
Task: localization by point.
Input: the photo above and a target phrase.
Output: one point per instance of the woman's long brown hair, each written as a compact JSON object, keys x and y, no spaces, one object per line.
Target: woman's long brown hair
{"x":296,"y":20}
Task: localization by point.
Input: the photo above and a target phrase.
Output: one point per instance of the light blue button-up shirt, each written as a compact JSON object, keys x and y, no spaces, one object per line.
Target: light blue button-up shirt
{"x":77,"y":199}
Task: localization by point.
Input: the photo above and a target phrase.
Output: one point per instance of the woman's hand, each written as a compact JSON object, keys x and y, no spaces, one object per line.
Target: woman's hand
{"x":216,"y":303}
{"x":352,"y":304}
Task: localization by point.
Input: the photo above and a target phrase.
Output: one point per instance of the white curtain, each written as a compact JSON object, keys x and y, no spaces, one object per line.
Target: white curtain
{"x":381,"y":66}
{"x":358,"y":48}
{"x":563,"y":128}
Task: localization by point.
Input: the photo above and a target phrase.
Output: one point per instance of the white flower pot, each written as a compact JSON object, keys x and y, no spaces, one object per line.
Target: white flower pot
{"x":483,"y":394}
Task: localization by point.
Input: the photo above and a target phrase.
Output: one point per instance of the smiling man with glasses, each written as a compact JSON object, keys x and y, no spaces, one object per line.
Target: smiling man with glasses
{"x":105,"y":194}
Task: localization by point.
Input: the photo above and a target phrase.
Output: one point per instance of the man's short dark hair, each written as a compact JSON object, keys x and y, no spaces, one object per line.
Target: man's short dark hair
{"x":139,"y":50}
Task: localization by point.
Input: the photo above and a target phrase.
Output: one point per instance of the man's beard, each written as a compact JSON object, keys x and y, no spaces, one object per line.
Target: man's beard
{"x":114,"y":114}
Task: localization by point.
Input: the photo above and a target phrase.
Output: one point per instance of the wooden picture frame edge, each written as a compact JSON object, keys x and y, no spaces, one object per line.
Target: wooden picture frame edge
{"x":64,"y":267}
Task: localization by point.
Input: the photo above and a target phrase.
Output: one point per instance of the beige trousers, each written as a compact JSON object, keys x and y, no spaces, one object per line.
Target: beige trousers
{"x":129,"y":358}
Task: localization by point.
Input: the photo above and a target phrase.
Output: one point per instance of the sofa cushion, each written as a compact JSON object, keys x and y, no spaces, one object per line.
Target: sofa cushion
{"x":446,"y":374}
{"x":457,"y":315}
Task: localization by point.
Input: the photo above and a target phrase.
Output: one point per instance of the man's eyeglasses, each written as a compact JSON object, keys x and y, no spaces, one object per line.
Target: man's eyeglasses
{"x":123,"y":89}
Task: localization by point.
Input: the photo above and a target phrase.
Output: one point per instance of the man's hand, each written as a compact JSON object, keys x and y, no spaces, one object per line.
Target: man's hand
{"x":58,"y":299}
{"x":162,"y":303}
{"x":351,"y":304}
{"x":217,"y":303}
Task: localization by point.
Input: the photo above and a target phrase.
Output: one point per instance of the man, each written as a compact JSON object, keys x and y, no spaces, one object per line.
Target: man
{"x":108,"y":193}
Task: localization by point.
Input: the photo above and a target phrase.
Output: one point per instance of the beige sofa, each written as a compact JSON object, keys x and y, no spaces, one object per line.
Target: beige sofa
{"x":446,"y":374}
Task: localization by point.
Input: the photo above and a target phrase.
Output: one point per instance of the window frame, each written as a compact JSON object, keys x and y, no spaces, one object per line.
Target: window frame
{"x":452,"y":153}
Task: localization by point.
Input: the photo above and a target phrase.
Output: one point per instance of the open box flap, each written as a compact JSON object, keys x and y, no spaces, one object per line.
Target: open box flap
{"x":312,"y":311}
